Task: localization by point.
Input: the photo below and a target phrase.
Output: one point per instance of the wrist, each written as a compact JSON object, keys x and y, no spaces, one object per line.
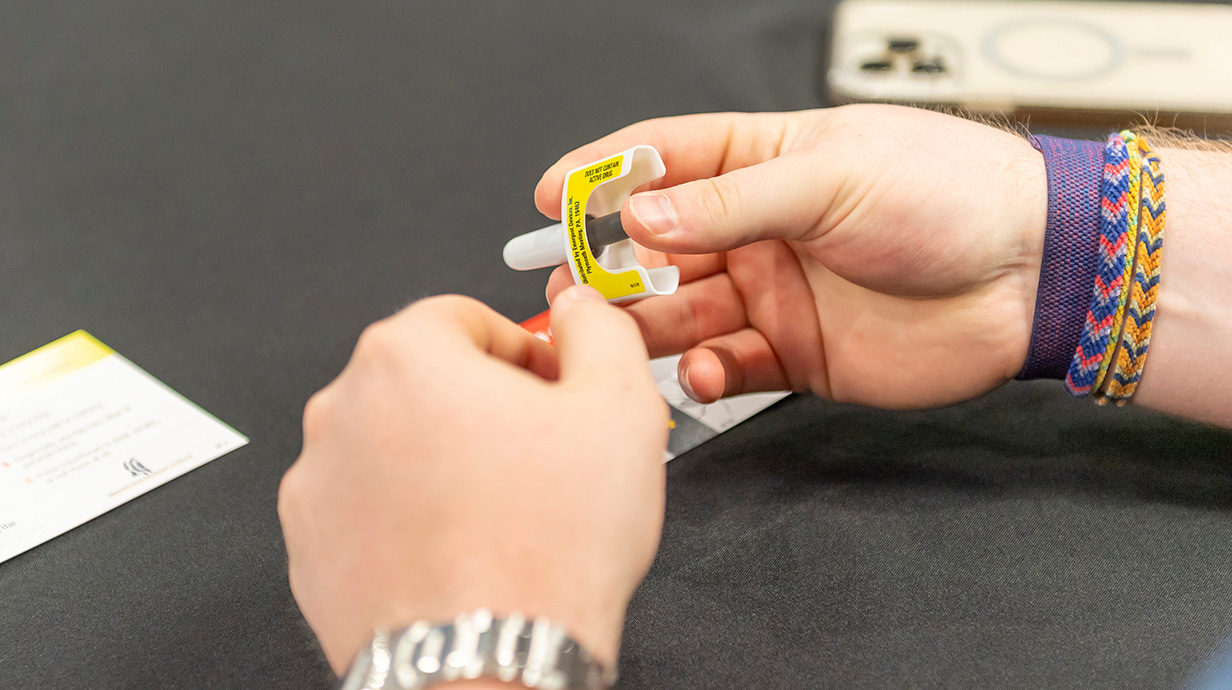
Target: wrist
{"x":393,"y":596}
{"x":1033,"y":194}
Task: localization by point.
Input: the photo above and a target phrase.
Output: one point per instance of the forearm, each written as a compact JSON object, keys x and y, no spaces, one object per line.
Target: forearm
{"x":1189,"y":368}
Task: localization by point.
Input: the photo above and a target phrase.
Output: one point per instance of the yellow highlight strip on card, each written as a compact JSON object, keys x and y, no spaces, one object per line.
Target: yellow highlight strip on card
{"x":49,"y":363}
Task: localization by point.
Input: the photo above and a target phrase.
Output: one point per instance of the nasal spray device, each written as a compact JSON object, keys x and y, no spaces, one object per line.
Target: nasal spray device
{"x":590,"y":238}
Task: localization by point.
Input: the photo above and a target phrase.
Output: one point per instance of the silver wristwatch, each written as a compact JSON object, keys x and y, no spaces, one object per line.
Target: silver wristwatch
{"x":536,"y":653}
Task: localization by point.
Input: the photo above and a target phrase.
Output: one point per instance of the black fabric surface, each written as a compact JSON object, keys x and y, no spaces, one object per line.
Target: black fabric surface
{"x":227,"y":191}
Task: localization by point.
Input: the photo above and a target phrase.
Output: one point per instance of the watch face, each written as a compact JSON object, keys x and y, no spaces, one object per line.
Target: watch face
{"x":360,"y":668}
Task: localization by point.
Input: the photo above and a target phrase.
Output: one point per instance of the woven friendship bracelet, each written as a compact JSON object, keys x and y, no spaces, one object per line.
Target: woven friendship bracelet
{"x":1144,"y":290}
{"x":1132,"y":203}
{"x":1097,"y":329}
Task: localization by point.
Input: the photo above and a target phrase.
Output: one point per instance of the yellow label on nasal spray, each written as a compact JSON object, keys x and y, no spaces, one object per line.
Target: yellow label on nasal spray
{"x":597,"y":190}
{"x":579,"y":186}
{"x":590,"y":212}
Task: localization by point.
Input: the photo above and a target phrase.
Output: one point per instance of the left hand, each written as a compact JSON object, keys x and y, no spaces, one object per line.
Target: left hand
{"x":872,"y":254}
{"x":458,"y":462}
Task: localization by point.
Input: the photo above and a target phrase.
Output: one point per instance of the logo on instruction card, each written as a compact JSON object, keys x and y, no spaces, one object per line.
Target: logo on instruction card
{"x":136,"y":469}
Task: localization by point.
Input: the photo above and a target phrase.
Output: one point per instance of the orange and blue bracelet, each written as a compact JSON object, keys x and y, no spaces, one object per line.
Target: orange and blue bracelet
{"x":1111,"y":351}
{"x":1084,"y":368}
{"x":1133,"y":202}
{"x":1144,"y":290}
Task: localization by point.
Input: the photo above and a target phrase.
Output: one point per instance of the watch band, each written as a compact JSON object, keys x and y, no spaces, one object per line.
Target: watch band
{"x":536,"y":653}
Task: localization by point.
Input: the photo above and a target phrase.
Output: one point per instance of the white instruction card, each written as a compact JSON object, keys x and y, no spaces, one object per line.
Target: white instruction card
{"x":83,"y":430}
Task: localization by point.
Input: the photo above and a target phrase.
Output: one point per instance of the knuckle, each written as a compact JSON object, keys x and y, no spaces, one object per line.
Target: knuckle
{"x":376,"y":339}
{"x":437,"y":311}
{"x":442,"y":303}
{"x":289,"y":490}
{"x":722,"y":199}
{"x":316,"y":412}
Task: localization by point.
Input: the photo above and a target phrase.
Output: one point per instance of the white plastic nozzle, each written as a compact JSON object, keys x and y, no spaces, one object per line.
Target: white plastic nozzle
{"x":542,"y":248}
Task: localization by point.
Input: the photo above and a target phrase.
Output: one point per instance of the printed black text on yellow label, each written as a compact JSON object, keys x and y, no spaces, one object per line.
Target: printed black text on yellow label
{"x":578,"y":188}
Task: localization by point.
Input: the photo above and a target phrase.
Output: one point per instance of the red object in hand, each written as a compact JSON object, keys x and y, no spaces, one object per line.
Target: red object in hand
{"x":540,"y":326}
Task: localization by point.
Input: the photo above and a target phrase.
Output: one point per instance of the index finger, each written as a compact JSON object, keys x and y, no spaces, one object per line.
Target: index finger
{"x":693,"y":147}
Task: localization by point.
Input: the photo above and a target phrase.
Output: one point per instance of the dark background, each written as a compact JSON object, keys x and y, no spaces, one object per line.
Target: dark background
{"x":227,"y":191}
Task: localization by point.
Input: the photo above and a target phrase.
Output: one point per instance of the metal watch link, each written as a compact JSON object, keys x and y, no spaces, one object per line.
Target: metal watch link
{"x":536,"y":653}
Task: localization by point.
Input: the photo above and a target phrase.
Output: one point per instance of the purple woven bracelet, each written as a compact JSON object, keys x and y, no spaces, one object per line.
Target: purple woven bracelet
{"x":1071,"y":237}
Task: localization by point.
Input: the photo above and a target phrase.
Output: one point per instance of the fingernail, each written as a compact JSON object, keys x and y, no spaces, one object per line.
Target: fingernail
{"x":654,"y":212}
{"x":582,"y":292}
{"x":683,"y":378}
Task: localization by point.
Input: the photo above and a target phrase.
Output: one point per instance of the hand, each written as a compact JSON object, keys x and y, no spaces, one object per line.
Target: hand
{"x":873,"y":254}
{"x":460,"y":463}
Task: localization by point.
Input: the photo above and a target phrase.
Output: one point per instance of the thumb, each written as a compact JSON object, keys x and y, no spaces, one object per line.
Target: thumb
{"x":783,"y":198}
{"x":595,"y":340}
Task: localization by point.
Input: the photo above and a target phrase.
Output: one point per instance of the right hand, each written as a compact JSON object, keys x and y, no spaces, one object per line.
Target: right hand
{"x":459,"y":462}
{"x":872,"y":254}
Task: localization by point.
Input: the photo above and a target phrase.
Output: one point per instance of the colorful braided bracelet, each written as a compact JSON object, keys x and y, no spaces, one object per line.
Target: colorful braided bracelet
{"x":1144,"y":290}
{"x":1111,"y":352}
{"x":1113,"y":230}
{"x":1127,"y":248}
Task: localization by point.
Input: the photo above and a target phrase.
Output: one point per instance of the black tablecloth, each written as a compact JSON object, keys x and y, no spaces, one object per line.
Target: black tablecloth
{"x":227,"y":191}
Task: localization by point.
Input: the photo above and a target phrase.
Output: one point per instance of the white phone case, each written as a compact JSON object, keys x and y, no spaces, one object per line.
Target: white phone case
{"x":1161,"y":60}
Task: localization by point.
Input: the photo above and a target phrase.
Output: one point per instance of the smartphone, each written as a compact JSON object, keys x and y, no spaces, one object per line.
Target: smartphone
{"x":1067,"y":62}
